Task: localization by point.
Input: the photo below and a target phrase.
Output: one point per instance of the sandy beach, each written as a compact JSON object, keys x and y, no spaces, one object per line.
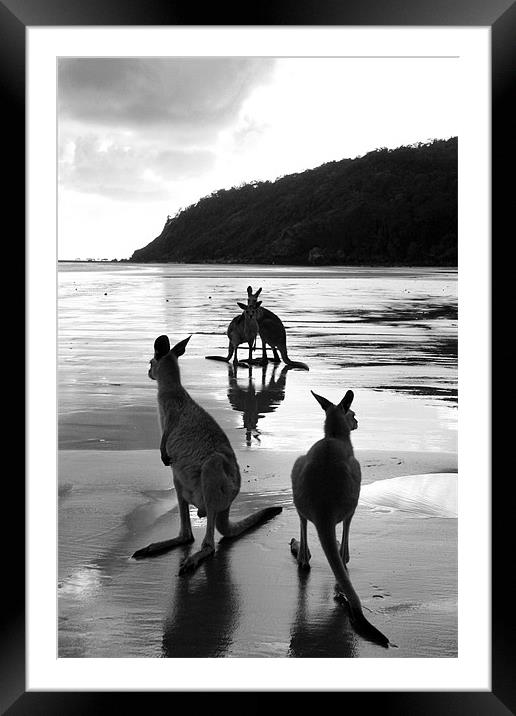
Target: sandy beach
{"x":250,"y":599}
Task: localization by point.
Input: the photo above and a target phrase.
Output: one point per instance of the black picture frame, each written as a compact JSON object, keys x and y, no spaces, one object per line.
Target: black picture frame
{"x":500,"y":16}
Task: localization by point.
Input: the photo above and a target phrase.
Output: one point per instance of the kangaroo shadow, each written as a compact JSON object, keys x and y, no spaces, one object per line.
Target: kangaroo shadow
{"x":204,"y":611}
{"x":320,"y":632}
{"x":254,"y":400}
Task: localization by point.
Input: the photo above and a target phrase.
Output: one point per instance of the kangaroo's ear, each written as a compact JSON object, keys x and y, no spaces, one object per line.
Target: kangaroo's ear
{"x":258,"y":293}
{"x":346,"y":401}
{"x":325,"y":404}
{"x":161,"y":347}
{"x":242,"y":305}
{"x":179,"y":348}
{"x":249,"y":291}
{"x":258,"y":304}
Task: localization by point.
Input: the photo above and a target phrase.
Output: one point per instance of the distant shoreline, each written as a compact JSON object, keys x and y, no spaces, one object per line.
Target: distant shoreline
{"x":92,"y":261}
{"x":223,"y":263}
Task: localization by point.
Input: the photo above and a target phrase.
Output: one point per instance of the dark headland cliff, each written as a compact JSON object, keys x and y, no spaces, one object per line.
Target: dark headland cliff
{"x":389,"y":207}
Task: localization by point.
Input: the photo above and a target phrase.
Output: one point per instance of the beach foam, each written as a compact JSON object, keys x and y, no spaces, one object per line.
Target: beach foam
{"x":431,"y":495}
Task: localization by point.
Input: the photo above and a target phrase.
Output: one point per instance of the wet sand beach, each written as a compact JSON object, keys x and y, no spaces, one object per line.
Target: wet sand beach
{"x":250,"y":599}
{"x":390,"y":335}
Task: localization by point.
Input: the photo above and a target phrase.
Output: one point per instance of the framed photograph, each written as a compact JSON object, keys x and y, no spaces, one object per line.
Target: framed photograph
{"x":335,"y":166}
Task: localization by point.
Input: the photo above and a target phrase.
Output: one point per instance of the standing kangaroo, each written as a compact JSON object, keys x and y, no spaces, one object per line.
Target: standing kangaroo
{"x":242,"y":329}
{"x":272,"y":332}
{"x":205,"y":469}
{"x":326,"y":487}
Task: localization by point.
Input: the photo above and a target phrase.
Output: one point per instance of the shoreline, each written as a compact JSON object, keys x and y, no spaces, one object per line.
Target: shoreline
{"x":256,"y":270}
{"x":256,"y":465}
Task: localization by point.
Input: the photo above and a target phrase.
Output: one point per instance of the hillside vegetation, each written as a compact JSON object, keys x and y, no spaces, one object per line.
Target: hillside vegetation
{"x":391,"y":206}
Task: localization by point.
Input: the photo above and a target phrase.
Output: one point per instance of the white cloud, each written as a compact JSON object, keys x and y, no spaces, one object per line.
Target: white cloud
{"x":123,"y":171}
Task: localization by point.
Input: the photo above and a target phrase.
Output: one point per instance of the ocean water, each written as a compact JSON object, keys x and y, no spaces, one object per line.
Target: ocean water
{"x":389,"y":334}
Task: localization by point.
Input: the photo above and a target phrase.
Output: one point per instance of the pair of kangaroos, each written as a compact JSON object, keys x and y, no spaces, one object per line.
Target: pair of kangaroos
{"x":325,"y":481}
{"x":253,"y":321}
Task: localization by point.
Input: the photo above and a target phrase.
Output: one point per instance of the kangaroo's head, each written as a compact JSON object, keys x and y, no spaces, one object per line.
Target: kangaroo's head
{"x":338,"y":417}
{"x":164,"y":362}
{"x":250,"y":310}
{"x":252,"y":298}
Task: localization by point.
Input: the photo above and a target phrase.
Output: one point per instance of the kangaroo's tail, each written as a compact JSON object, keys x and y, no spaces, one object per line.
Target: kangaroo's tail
{"x":292,"y":363}
{"x":331,"y":550}
{"x":231,"y":350}
{"x":229,"y":529}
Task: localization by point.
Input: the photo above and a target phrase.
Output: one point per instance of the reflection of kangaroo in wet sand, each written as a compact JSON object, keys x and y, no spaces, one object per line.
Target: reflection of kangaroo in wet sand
{"x":272,"y":332}
{"x":325,"y":487}
{"x":250,"y":402}
{"x":242,"y":329}
{"x":206,"y":472}
{"x":203,"y":613}
{"x":327,"y":635}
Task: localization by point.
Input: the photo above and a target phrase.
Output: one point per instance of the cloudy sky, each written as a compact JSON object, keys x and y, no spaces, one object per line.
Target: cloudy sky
{"x":140,"y":138}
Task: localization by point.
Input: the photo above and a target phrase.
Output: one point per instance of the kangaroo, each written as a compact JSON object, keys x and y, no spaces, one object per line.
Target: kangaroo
{"x":272,"y":332}
{"x":325,"y":487}
{"x":242,"y":329}
{"x":205,"y":470}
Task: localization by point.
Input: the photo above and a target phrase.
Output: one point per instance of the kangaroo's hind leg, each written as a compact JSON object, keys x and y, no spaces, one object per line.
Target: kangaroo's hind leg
{"x":163,"y":449}
{"x":185,"y":531}
{"x":300,"y":549}
{"x":344,"y":547}
{"x":218,"y":494}
{"x":276,"y":356}
{"x":264,"y":359}
{"x":191,"y":563}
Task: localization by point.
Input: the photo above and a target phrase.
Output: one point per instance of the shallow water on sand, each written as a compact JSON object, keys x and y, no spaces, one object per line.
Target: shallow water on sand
{"x":389,"y":334}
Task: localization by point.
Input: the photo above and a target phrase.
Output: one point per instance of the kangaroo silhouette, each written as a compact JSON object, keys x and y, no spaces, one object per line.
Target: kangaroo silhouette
{"x":325,"y":487}
{"x":272,"y":332}
{"x":205,"y":469}
{"x":242,"y":329}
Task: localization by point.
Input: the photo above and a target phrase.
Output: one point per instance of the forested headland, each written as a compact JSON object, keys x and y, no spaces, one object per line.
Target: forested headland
{"x":389,"y":207}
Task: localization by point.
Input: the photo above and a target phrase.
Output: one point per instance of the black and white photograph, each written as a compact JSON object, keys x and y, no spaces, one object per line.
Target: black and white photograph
{"x":266,"y":355}
{"x":263,"y":251}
